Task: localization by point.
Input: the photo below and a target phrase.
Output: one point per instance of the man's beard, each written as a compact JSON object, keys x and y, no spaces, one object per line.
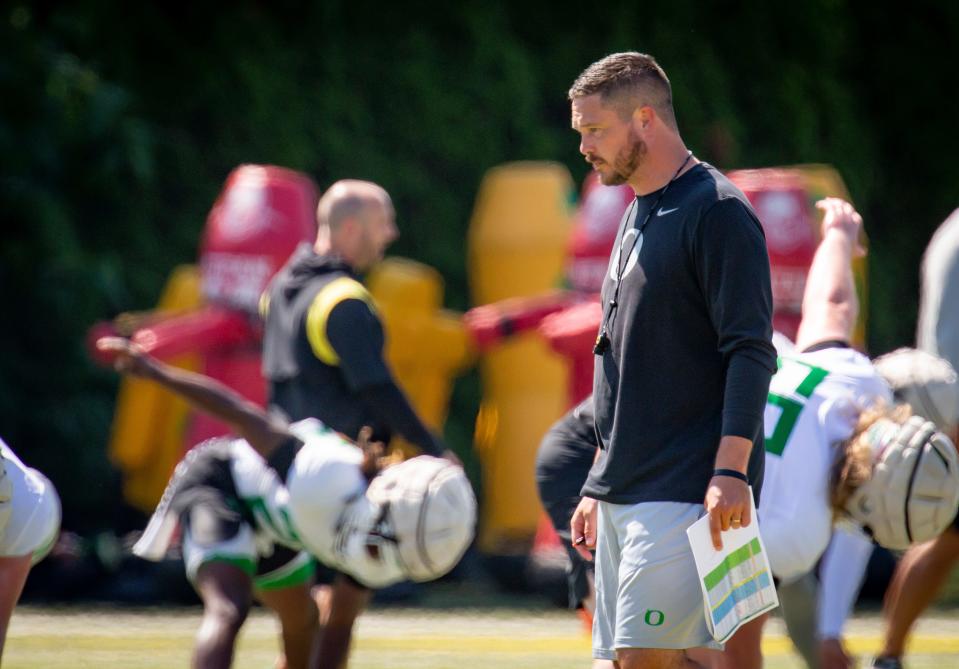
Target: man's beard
{"x":626,"y":162}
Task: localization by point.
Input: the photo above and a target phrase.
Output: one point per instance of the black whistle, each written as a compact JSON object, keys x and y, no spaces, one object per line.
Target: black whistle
{"x":602,"y":344}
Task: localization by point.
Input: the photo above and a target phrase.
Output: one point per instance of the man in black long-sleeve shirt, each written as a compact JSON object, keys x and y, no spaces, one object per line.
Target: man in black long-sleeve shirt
{"x":323,"y":354}
{"x":684,"y":358}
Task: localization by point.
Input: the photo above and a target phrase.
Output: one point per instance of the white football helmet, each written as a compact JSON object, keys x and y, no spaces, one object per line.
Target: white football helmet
{"x":913,"y":493}
{"x":334,"y":517}
{"x":413,"y":522}
{"x":427,"y":511}
{"x":927,"y":383}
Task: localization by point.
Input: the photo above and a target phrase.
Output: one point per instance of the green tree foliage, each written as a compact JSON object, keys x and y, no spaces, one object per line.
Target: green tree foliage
{"x":119,"y":123}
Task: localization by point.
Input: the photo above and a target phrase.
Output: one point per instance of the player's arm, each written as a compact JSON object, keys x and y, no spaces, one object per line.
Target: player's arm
{"x":263,"y":432}
{"x":830,"y":306}
{"x":355,"y":335}
{"x":492,"y":324}
{"x":842,"y":572}
{"x":732,"y":264}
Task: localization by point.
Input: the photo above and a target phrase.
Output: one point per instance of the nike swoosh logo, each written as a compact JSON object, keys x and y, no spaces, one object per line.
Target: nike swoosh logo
{"x":663,"y":212}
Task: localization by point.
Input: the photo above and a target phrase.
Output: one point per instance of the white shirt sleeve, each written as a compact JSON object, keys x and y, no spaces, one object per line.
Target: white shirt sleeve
{"x":841,"y":576}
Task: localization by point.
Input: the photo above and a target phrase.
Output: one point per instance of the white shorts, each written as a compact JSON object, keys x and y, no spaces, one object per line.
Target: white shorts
{"x":647,"y":588}
{"x":281,"y":567}
{"x":201,"y":499}
{"x":34,"y":520}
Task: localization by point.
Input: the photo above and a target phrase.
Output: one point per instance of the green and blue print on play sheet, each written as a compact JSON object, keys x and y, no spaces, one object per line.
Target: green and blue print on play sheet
{"x":740,"y":583}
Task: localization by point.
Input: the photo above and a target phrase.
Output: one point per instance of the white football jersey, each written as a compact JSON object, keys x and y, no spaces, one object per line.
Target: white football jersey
{"x":334,"y":518}
{"x":814,"y":403}
{"x":322,"y":507}
{"x":262,"y":492}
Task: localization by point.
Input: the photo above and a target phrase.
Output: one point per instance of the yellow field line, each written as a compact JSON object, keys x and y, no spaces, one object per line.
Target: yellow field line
{"x":925,"y":644}
{"x":772,"y":646}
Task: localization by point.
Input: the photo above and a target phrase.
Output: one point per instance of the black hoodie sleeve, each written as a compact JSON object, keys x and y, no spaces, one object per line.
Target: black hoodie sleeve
{"x":388,"y":403}
{"x":356,"y":335}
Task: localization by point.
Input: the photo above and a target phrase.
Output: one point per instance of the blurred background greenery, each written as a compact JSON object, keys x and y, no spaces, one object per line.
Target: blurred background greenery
{"x":120,"y":121}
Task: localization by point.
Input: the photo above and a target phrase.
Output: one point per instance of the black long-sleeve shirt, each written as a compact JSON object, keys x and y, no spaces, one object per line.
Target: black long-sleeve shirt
{"x":690,"y":355}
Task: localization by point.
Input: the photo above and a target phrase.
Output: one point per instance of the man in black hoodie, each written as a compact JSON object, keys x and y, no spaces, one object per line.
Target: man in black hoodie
{"x":323,"y":355}
{"x":323,"y":342}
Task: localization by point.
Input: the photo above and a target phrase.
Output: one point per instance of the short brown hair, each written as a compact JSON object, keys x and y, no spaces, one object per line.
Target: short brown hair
{"x":626,"y":81}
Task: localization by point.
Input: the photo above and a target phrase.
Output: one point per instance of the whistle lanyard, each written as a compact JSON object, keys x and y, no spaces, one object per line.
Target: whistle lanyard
{"x":602,"y":339}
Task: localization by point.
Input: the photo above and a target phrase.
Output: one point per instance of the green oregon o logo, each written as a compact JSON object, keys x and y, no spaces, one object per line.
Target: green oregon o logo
{"x":654,"y":618}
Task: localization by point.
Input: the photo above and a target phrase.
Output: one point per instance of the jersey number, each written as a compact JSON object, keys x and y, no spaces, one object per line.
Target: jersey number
{"x":791,"y":405}
{"x":281,"y":527}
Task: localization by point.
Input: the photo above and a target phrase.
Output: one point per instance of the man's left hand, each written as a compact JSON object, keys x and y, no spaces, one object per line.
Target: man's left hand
{"x":727,"y":503}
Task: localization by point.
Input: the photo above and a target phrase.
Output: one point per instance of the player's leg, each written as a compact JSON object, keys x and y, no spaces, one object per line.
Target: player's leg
{"x":339,"y":603}
{"x":284,"y":584}
{"x":916,"y":582}
{"x":227,"y":591}
{"x":798,"y":600}
{"x":219,"y":552}
{"x":563,"y":461}
{"x":559,"y":478}
{"x":743,"y":650}
{"x":13,"y":574}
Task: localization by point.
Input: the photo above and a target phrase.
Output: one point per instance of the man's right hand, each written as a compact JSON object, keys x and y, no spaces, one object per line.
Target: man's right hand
{"x":583,"y":528}
{"x":841,"y":216}
{"x":129,"y":358}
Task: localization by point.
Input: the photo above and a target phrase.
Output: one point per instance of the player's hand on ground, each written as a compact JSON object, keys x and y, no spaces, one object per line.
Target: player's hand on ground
{"x":832,"y":655}
{"x":129,"y":358}
{"x":842,"y":216}
{"x":727,"y":503}
{"x":582,"y":527}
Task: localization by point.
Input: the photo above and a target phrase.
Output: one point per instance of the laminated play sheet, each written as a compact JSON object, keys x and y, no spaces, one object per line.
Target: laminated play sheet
{"x":736,"y":581}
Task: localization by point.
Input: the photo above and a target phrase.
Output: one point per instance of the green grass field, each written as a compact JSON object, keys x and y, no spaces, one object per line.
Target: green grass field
{"x":387,"y":637}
